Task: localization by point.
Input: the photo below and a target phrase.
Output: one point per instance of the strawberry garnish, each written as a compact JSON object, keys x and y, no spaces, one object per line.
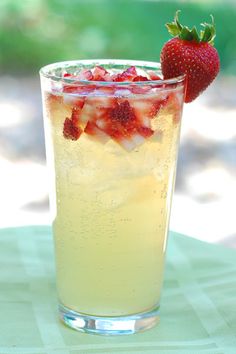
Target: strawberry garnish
{"x":191,"y":54}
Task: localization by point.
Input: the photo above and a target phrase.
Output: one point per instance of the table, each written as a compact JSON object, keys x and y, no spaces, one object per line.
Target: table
{"x":198,"y":308}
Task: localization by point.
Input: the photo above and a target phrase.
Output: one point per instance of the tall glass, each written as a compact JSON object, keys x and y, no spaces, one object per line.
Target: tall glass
{"x":112,"y":151}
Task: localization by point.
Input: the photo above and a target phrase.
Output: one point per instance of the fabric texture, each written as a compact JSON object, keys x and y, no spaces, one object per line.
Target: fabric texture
{"x":198,"y":307}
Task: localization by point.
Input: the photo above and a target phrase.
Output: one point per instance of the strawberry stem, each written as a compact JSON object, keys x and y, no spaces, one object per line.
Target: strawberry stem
{"x":183,"y":32}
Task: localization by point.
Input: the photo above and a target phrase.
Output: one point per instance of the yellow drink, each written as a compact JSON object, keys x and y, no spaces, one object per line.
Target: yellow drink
{"x":112,"y":208}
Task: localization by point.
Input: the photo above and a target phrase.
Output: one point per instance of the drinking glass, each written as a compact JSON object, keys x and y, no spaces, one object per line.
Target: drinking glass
{"x":111,"y":152}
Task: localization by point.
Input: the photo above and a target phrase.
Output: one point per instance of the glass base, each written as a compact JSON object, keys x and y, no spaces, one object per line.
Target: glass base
{"x":109,"y":325}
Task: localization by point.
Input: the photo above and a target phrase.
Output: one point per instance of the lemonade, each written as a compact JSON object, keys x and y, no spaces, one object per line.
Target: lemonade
{"x":113,"y":146}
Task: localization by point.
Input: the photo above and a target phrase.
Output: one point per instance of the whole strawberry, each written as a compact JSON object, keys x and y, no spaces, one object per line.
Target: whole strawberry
{"x":191,"y":54}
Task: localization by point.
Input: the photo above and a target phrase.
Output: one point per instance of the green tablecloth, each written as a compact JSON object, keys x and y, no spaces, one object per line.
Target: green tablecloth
{"x":198,"y":309}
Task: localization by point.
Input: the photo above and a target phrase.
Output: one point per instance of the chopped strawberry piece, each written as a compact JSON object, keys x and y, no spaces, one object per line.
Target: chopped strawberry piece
{"x":127,"y":75}
{"x":67,"y":75}
{"x":140,"y":78}
{"x":122,"y":113}
{"x":154,"y":76}
{"x":88,"y":112}
{"x":75,"y":115}
{"x":89,"y":129}
{"x":79,"y":89}
{"x":140,"y":90}
{"x":117,"y":120}
{"x":145,"y":132}
{"x":123,"y":118}
{"x":79,"y":102}
{"x":147,"y":107}
{"x":93,"y":130}
{"x":131,"y":71}
{"x":101,"y":74}
{"x":86,"y":75}
{"x":121,"y":122}
{"x":69,"y":89}
{"x":157,"y":105}
{"x":70,"y":130}
{"x":107,"y":90}
{"x":118,"y":78}
{"x":96,"y":108}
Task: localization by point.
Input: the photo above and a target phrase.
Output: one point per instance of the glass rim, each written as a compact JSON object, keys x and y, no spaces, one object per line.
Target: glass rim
{"x":149,"y":65}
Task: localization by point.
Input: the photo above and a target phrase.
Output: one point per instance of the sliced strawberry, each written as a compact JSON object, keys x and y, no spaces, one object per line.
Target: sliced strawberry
{"x":70,"y":130}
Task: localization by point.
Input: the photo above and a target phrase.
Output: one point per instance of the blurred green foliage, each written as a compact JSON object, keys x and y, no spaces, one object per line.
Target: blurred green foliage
{"x":36,"y":32}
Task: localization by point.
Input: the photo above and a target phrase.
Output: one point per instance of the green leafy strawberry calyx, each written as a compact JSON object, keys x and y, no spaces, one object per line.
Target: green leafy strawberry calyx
{"x":183,"y":32}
